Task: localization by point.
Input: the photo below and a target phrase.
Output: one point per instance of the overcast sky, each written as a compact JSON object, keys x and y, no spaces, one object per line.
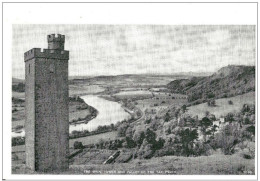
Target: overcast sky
{"x":139,"y":49}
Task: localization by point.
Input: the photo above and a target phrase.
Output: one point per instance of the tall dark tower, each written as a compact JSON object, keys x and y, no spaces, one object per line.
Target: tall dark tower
{"x":47,"y":106}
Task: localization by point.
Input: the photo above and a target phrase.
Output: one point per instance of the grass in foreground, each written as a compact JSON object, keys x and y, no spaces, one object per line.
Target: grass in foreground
{"x":217,"y":164}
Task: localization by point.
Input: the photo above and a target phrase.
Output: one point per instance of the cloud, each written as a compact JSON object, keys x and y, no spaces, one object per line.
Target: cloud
{"x":124,"y":49}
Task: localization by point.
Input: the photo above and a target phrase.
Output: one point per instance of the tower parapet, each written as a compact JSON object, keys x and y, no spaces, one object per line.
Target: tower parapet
{"x":56,"y":42}
{"x":46,"y":53}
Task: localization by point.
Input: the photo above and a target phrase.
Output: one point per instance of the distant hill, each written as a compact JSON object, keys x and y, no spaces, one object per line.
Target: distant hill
{"x":18,"y":85}
{"x":227,"y":82}
{"x":16,"y":81}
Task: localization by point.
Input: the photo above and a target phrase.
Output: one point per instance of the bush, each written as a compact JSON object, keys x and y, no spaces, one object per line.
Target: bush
{"x":212,"y":102}
{"x":148,"y":121}
{"x":78,"y":145}
{"x":230,"y":102}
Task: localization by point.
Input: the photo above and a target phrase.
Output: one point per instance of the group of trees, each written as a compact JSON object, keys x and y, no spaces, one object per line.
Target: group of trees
{"x":100,"y":129}
{"x":183,"y":139}
{"x":18,"y":141}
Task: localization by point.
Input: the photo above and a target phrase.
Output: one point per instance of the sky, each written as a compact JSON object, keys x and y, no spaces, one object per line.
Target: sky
{"x":140,"y":49}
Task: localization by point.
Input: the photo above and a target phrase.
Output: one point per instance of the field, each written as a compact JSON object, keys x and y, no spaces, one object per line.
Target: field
{"x":20,"y":95}
{"x":161,"y":100}
{"x":222,"y":106}
{"x":83,"y":89}
{"x":95,"y":138}
{"x":140,"y":94}
{"x":18,"y":152}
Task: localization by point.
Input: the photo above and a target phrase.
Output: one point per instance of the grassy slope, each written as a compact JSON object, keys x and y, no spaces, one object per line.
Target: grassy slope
{"x":222,"y":107}
{"x":214,"y":164}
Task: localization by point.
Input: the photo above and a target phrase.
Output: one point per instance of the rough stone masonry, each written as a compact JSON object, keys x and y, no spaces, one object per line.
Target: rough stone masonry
{"x":47,"y":106}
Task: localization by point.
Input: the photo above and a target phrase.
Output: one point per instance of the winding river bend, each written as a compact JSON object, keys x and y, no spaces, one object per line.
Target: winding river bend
{"x":108,"y":112}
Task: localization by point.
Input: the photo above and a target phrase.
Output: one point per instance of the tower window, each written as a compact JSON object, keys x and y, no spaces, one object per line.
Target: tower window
{"x":52,"y":68}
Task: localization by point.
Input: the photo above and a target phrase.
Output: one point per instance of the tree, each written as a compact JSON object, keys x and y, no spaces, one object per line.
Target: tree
{"x":205,"y":123}
{"x":159,"y":144}
{"x":150,"y":136}
{"x":184,"y":108}
{"x":167,"y":117}
{"x":213,"y":130}
{"x":139,"y":137}
{"x":146,"y":150}
{"x":121,"y":130}
{"x":229,"y":117}
{"x":187,"y":138}
{"x":251,"y":129}
{"x":130,"y":142}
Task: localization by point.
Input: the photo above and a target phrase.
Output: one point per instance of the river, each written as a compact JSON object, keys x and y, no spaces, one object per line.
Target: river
{"x":108,"y":112}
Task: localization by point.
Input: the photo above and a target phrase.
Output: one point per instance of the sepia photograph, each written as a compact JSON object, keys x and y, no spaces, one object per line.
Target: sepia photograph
{"x":133,"y":99}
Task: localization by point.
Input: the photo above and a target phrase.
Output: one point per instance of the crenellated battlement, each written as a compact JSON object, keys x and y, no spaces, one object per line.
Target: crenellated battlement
{"x":56,"y":42}
{"x":46,"y":53}
{"x":56,"y":38}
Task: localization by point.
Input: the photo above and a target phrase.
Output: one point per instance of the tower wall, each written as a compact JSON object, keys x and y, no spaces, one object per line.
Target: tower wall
{"x":49,"y":112}
{"x":30,"y":113}
{"x":52,"y":114}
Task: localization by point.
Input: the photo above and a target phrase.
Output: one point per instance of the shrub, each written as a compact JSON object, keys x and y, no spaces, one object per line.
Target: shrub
{"x":230,"y":102}
{"x":148,"y":121}
{"x":212,"y":102}
{"x":78,"y":145}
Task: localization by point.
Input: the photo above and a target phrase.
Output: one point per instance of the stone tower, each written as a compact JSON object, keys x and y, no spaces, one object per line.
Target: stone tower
{"x":47,"y":106}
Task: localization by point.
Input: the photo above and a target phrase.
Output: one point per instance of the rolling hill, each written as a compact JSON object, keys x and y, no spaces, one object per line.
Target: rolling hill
{"x":227,"y":82}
